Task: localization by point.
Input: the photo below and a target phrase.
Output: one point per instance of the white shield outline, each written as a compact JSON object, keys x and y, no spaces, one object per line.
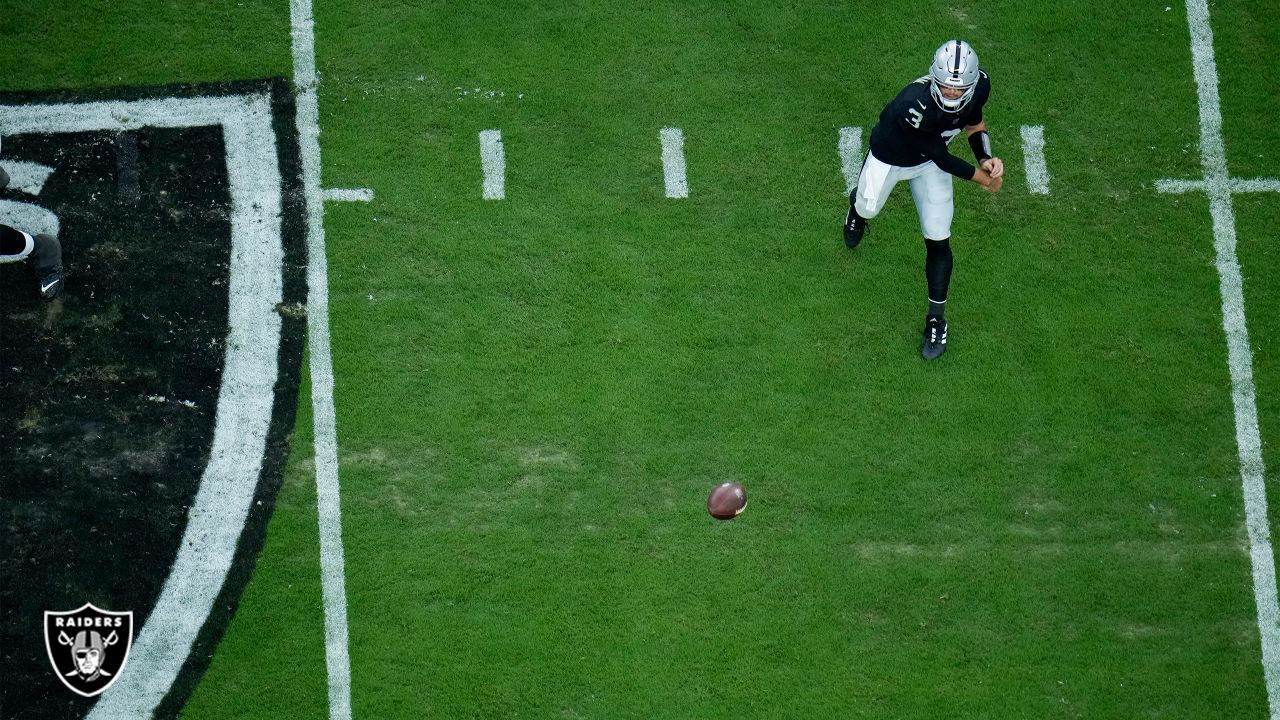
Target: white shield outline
{"x":48,"y":646}
{"x":246,"y":397}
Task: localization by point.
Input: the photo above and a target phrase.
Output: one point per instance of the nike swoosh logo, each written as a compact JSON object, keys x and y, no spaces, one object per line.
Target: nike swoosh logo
{"x":45,"y":288}
{"x":922,"y":107}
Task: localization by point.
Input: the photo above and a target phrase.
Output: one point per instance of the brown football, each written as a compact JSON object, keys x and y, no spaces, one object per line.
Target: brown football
{"x":727,"y":501}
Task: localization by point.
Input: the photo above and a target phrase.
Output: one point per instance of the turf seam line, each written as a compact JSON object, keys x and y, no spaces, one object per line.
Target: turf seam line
{"x":1033,"y":159}
{"x":673,"y":165}
{"x":328,"y":501}
{"x":850,"y":148}
{"x":1219,"y":186}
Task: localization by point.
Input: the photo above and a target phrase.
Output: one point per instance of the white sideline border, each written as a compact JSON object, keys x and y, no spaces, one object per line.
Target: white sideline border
{"x":328,"y":501}
{"x":1219,"y":187}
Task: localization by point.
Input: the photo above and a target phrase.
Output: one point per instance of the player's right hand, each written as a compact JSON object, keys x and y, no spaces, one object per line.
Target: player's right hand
{"x":994,"y":184}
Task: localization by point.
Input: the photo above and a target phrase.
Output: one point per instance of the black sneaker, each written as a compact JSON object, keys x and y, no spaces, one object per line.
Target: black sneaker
{"x":935,"y":337}
{"x":51,"y":282}
{"x":854,"y":228}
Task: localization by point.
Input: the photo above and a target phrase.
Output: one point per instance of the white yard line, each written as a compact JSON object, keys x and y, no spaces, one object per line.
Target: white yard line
{"x":673,"y":168}
{"x":1179,"y":186}
{"x":1237,"y":185}
{"x":1233,"y":185}
{"x":1219,"y":188}
{"x":1033,"y":159}
{"x":328,"y":501}
{"x":850,"y":147}
{"x":348,"y":195}
{"x":494,"y":161}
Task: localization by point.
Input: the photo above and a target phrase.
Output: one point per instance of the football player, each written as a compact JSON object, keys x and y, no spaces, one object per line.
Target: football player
{"x":44,"y":250}
{"x":910,"y":143}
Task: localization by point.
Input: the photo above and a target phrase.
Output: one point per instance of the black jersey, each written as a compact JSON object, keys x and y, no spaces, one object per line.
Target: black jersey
{"x":913,"y":129}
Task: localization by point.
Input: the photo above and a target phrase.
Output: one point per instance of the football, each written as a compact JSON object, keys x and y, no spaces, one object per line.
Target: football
{"x":727,"y":501}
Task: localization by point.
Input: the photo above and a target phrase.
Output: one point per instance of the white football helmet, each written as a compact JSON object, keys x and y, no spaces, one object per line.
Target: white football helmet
{"x":955,"y":65}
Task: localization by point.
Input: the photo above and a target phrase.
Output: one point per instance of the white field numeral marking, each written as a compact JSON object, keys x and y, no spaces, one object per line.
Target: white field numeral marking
{"x":673,"y":169}
{"x":494,"y":160}
{"x":1033,"y":158}
{"x":27,"y":177}
{"x":850,"y":147}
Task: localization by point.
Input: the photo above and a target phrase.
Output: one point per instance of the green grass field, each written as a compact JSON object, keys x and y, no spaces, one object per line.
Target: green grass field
{"x":534,"y":395}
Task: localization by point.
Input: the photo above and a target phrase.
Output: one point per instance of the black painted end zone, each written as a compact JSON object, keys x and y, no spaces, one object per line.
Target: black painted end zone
{"x":108,"y":395}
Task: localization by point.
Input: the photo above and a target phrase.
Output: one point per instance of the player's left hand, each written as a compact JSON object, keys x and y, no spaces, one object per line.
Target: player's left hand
{"x":994,"y":166}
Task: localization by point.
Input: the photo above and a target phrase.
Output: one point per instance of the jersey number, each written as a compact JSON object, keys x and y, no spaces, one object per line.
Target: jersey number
{"x":915,"y":118}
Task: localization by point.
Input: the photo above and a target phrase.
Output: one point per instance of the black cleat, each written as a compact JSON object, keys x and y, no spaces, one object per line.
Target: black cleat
{"x":935,"y":338}
{"x":854,"y":228}
{"x":51,"y":282}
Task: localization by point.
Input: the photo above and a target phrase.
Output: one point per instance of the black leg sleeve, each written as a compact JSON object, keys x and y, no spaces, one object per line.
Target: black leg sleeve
{"x":937,"y":268}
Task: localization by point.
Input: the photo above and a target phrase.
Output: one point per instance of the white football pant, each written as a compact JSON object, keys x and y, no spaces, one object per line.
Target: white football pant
{"x":930,"y":186}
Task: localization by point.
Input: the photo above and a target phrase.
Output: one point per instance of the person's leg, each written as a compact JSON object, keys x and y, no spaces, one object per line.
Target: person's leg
{"x":45,"y":253}
{"x":874,"y":185}
{"x":15,"y":245}
{"x":47,"y":259}
{"x":934,"y":198}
